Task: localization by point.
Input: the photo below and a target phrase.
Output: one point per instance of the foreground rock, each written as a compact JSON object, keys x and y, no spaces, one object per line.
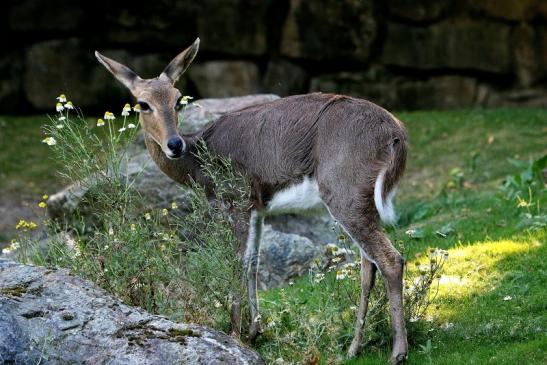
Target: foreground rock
{"x":52,"y":317}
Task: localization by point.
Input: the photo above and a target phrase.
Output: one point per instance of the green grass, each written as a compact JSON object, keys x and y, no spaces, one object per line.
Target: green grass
{"x":25,"y":165}
{"x":456,"y":165}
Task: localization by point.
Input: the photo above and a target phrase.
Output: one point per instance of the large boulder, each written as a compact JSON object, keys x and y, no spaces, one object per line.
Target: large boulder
{"x":284,"y":256}
{"x":11,"y":91}
{"x":284,"y":78}
{"x":464,"y":44}
{"x":508,"y":10}
{"x":333,"y":30}
{"x":218,"y":79}
{"x":51,"y":317}
{"x":420,"y":11}
{"x":442,"y":92}
{"x":67,"y":66}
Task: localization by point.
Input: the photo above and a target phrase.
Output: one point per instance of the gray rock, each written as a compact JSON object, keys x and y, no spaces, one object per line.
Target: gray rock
{"x":284,"y":256}
{"x":33,"y":16}
{"x":235,"y":27}
{"x":284,"y":78}
{"x":65,"y":66}
{"x":506,"y":9}
{"x":329,"y":30}
{"x":225,"y":78}
{"x":374,"y":85}
{"x":318,"y":228}
{"x":64,"y":319}
{"x":420,"y":11}
{"x":11,"y":90}
{"x":444,"y":92}
{"x":466,"y":45}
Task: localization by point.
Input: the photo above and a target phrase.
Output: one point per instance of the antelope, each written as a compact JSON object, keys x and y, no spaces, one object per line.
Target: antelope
{"x":298,"y":152}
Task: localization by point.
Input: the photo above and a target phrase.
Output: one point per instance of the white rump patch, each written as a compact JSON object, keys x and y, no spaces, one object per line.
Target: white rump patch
{"x":385,"y":208}
{"x":298,"y":197}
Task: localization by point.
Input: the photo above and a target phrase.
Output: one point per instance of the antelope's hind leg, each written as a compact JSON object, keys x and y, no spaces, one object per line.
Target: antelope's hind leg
{"x":354,"y":209}
{"x":368,"y":275}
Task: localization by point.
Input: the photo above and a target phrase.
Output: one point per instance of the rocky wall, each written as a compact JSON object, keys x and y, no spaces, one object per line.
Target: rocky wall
{"x":402,"y":54}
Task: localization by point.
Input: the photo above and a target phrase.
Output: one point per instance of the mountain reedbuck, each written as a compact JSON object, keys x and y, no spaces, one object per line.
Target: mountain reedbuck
{"x":298,"y":152}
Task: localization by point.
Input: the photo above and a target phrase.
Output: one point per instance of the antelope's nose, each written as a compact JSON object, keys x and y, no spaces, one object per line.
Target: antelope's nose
{"x":175,"y":145}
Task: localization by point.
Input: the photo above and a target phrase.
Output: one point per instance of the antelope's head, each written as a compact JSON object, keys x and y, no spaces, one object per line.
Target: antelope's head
{"x":158,"y":98}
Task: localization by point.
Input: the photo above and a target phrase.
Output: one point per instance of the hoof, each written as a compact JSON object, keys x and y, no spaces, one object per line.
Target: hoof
{"x":399,"y":359}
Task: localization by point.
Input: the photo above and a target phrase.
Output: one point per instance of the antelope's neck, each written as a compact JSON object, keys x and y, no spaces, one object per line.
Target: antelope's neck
{"x":181,"y":170}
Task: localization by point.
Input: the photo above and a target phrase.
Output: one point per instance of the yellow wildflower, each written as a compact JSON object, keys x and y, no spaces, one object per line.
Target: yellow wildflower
{"x":164,"y":212}
{"x":147,"y":216}
{"x":42,"y":204}
{"x":61,"y":98}
{"x":174,"y":205}
{"x":133,"y":227}
{"x":45,"y":197}
{"x":137,"y":108}
{"x":109,"y":116}
{"x":100,"y":122}
{"x":69,"y":105}
{"x":59,"y":107}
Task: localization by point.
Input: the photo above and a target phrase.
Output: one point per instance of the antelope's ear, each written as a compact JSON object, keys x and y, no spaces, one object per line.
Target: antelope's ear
{"x":123,"y":73}
{"x":179,"y":64}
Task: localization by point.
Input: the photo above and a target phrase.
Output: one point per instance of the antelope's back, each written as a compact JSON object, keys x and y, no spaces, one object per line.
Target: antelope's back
{"x":282,"y":140}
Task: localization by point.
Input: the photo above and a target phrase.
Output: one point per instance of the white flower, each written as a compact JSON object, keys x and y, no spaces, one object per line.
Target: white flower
{"x":62,"y":119}
{"x":59,"y":107}
{"x":69,"y":105}
{"x":121,"y":129}
{"x":109,"y":116}
{"x":447,"y":325}
{"x":61,"y":98}
{"x":50,"y":141}
{"x":341,"y":274}
{"x":137,"y":108}
{"x":319,"y":277}
{"x":147,"y":216}
{"x":131,"y":126}
{"x":217,"y":304}
{"x":197,"y":105}
{"x":100,"y":122}
{"x":174,"y":205}
{"x":59,"y":126}
{"x":111,"y":231}
{"x":126,"y":109}
{"x":507,"y":297}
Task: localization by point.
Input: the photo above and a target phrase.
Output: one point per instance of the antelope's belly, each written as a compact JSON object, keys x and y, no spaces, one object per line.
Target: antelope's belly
{"x":295,"y":198}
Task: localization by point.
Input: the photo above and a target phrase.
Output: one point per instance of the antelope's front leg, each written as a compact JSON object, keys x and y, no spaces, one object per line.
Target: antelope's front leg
{"x":251,"y":260}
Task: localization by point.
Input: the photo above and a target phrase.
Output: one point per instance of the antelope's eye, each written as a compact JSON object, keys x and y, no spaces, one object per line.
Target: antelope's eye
{"x":144,"y":106}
